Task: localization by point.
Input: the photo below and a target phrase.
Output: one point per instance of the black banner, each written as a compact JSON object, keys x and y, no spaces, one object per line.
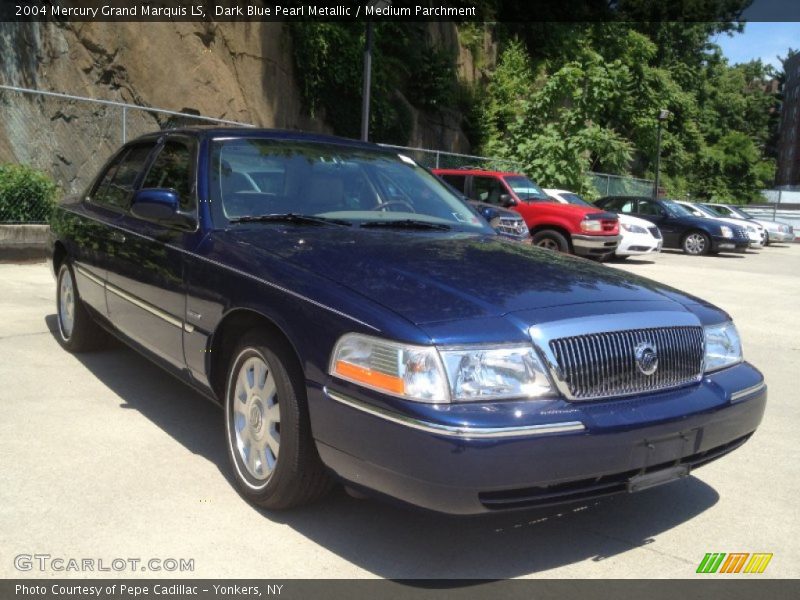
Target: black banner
{"x":342,"y":589}
{"x":519,"y":11}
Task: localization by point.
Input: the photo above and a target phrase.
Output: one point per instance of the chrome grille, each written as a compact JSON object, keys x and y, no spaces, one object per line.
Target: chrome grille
{"x":601,"y":365}
{"x":740,"y":233}
{"x":510,"y":226}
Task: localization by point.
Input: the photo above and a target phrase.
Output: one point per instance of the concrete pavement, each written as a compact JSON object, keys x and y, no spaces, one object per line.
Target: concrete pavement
{"x":105,"y":456}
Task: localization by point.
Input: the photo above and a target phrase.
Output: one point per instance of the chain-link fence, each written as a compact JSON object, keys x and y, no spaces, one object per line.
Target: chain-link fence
{"x":64,"y":140}
{"x":67,"y":139}
{"x":439,"y":159}
{"x":619,"y":185}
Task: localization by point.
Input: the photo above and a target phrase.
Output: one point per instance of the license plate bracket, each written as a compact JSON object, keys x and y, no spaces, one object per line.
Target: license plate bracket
{"x":645,"y":481}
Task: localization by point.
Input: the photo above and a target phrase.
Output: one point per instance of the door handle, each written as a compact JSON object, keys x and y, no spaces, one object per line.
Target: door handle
{"x":117,"y":236}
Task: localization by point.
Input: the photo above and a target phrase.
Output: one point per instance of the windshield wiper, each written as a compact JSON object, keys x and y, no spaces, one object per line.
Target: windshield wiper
{"x":407,"y":224}
{"x":290,"y":218}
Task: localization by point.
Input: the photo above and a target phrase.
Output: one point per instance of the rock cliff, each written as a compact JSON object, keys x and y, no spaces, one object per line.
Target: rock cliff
{"x":237,"y":71}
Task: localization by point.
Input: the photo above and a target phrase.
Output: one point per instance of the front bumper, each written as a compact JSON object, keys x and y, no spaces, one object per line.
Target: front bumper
{"x":634,"y":244}
{"x":721,"y":244}
{"x":594,"y":245}
{"x":779,"y":236}
{"x":580,"y":450}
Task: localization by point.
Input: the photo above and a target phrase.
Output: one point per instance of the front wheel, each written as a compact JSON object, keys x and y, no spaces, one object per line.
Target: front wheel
{"x":274,"y":459}
{"x":696,"y":243}
{"x":550,"y":240}
{"x":77,"y":331}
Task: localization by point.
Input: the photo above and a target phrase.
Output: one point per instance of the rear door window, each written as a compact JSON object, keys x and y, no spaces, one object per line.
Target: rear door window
{"x":457,"y":181}
{"x":116,"y":186}
{"x":623,"y":205}
{"x":487,"y":189}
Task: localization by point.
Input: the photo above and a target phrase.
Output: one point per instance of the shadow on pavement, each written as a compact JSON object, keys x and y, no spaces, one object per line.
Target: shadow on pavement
{"x":396,"y":542}
{"x":674,"y":251}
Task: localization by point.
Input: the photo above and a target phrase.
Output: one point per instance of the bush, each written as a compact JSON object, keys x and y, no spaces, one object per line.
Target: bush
{"x":26,"y":195}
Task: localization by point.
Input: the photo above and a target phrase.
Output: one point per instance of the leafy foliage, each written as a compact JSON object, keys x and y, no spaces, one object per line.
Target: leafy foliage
{"x":406,"y":69}
{"x":26,"y":195}
{"x":565,"y":98}
{"x":594,"y":105}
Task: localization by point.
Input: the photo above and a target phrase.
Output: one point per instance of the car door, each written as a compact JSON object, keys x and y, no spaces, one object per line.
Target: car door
{"x":652,"y":211}
{"x":146,"y":294}
{"x":91,"y":234}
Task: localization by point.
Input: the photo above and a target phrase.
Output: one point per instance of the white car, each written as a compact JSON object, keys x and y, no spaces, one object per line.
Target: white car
{"x":756,"y":232}
{"x":776,"y":231}
{"x":638,"y":236}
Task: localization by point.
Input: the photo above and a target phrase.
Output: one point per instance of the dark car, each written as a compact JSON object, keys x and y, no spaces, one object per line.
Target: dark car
{"x":358,"y":322}
{"x":680,"y":229}
{"x":507,"y":223}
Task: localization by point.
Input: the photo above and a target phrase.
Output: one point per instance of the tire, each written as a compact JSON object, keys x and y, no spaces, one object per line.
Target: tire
{"x":268,"y":434}
{"x":551,"y":240}
{"x":77,"y":331}
{"x":696,"y":243}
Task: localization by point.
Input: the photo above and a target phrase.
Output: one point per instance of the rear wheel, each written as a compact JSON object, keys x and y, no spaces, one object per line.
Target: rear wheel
{"x":696,"y":243}
{"x":77,"y":331}
{"x":550,"y":240}
{"x":274,"y":459}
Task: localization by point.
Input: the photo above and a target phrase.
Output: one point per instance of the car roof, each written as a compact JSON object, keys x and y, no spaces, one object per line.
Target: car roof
{"x":209,"y":132}
{"x":477,"y":172}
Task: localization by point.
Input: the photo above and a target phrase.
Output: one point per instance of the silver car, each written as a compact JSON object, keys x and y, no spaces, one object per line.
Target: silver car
{"x":776,"y":231}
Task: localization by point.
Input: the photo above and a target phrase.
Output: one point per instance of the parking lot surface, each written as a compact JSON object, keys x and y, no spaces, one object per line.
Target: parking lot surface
{"x":105,"y":456}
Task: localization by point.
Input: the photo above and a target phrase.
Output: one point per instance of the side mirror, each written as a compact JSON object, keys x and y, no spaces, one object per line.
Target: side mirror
{"x":161,"y":205}
{"x":506,"y":200}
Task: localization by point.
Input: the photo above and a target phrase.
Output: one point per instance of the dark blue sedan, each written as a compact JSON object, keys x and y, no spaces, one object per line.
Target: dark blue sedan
{"x":680,"y":229}
{"x":358,"y":322}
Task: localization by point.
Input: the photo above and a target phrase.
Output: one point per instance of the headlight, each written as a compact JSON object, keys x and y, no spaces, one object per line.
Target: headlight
{"x":495,"y":373}
{"x":411,"y":372}
{"x":723,"y":346}
{"x":428,"y":374}
{"x":591,"y":225}
{"x":633,"y":228}
{"x":726,"y":232}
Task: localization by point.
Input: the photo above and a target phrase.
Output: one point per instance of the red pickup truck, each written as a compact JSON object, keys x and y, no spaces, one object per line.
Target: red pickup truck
{"x":569,"y":228}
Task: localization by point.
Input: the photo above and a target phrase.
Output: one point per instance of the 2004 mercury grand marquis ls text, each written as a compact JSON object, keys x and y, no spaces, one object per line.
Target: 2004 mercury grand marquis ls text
{"x":360,"y":322}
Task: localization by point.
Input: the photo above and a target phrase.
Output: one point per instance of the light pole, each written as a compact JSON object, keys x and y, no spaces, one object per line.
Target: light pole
{"x":663,"y":115}
{"x":365,"y":92}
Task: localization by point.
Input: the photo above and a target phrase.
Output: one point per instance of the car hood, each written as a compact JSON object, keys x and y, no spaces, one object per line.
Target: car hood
{"x":771,"y":225}
{"x":701,"y":222}
{"x":433,"y":277}
{"x":629,"y":220}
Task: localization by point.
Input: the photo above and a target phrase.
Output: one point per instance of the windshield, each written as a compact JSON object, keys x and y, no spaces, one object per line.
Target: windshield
{"x":572,"y":198}
{"x":707,"y":212}
{"x":741,"y":213}
{"x":675,"y":209}
{"x":254,"y":177}
{"x":525,"y":189}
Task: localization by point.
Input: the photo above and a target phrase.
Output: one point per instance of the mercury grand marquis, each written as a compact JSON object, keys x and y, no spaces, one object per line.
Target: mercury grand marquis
{"x":358,"y":322}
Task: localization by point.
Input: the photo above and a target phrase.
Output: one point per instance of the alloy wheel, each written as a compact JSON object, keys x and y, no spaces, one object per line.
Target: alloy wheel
{"x":66,"y":303}
{"x":256,"y":418}
{"x":695,"y":243}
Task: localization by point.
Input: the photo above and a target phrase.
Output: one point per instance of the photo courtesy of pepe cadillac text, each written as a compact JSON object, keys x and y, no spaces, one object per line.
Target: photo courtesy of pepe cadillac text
{"x":112,"y":591}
